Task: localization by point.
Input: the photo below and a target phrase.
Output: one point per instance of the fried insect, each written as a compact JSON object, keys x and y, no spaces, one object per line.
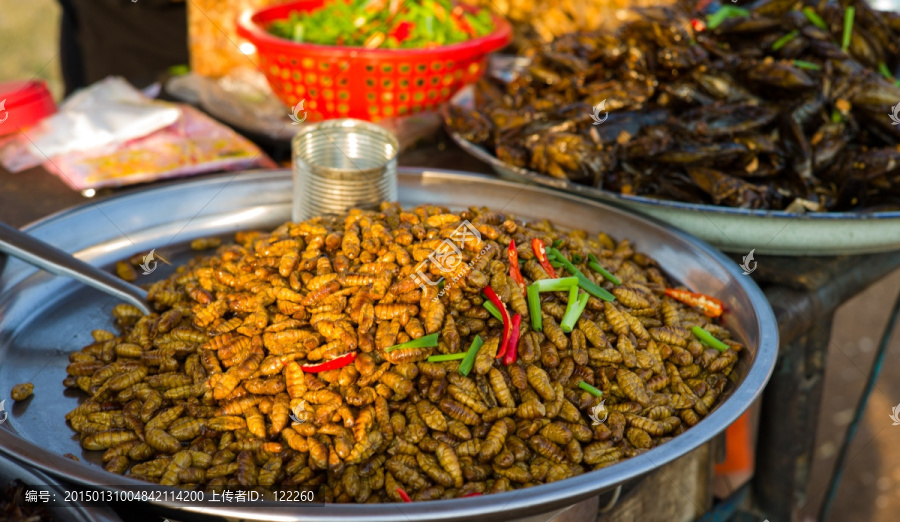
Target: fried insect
{"x":241,"y":376}
{"x":20,"y":392}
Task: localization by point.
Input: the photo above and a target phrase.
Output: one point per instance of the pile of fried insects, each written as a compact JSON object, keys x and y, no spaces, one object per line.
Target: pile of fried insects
{"x":318,"y":357}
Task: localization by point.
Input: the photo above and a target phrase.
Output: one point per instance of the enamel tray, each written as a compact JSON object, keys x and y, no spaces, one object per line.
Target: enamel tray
{"x":43,"y":318}
{"x":771,"y":232}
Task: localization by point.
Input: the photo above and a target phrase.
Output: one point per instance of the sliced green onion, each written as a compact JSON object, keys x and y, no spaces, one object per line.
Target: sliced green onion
{"x":534,"y":307}
{"x":590,"y":389}
{"x":708,"y":339}
{"x":554,"y":264}
{"x":556,"y":244}
{"x":725,"y":12}
{"x":469,"y":361}
{"x":813,"y":17}
{"x":447,"y":357}
{"x":428,"y":341}
{"x":441,"y":284}
{"x":849,"y":14}
{"x":807,"y":65}
{"x":576,"y":258}
{"x":573,"y":314}
{"x":560,"y":284}
{"x":781,"y":42}
{"x":489,"y":306}
{"x":883,"y":69}
{"x":586,"y":284}
{"x":836,"y":116}
{"x":571,"y":302}
{"x":595,"y":266}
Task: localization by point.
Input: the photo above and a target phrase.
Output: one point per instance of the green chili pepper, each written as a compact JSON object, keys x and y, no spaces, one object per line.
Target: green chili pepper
{"x":708,"y":339}
{"x":428,"y":341}
{"x":595,"y":266}
{"x":447,"y":357}
{"x":883,"y":69}
{"x":469,"y":361}
{"x":590,"y":389}
{"x":353,"y":23}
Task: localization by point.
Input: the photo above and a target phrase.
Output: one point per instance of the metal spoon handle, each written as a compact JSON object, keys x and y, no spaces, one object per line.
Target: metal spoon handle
{"x":46,"y":256}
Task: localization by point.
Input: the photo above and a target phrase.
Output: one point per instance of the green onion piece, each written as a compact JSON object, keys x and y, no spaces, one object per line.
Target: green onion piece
{"x":556,"y":244}
{"x":534,"y":307}
{"x":595,"y":266}
{"x":814,"y":18}
{"x":849,"y":14}
{"x":489,"y":306}
{"x":896,"y":83}
{"x":807,"y":65}
{"x":883,"y":69}
{"x":586,"y":284}
{"x":725,"y":12}
{"x":576,"y":258}
{"x":836,"y":116}
{"x":428,"y":341}
{"x":590,"y":389}
{"x":554,"y":264}
{"x":469,"y":361}
{"x":571,"y":303}
{"x":560,"y":284}
{"x":708,"y":339}
{"x":447,"y":357}
{"x":781,"y":42}
{"x":572,"y":315}
{"x":441,"y":284}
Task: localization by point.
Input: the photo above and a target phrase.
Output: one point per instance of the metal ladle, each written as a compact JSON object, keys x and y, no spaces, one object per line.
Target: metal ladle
{"x":46,"y":256}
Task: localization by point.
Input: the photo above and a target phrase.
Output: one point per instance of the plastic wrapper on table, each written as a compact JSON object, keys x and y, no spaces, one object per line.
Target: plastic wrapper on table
{"x":111,"y":135}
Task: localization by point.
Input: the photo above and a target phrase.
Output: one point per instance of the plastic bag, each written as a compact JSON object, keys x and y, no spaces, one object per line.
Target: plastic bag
{"x":110,"y":135}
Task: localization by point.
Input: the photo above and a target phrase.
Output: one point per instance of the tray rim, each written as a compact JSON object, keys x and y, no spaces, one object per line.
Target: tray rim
{"x":560,"y":494}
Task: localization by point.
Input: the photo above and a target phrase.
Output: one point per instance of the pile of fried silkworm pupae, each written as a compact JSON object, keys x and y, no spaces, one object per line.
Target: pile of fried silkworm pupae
{"x":210,"y":390}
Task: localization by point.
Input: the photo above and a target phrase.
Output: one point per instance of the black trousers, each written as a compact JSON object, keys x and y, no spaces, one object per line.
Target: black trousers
{"x":136,"y":40}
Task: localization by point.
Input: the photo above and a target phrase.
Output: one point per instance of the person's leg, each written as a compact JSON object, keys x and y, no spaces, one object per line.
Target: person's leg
{"x":135,"y":40}
{"x":72,"y":65}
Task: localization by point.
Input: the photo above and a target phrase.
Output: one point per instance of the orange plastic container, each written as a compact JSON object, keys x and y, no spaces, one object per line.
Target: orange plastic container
{"x":367,"y":84}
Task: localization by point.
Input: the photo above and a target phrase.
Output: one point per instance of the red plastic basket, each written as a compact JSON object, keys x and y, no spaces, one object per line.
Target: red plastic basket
{"x":368,"y":84}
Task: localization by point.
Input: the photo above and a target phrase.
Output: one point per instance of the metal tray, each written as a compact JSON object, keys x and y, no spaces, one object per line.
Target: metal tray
{"x":43,"y":318}
{"x":731,"y":229}
{"x":73,"y":512}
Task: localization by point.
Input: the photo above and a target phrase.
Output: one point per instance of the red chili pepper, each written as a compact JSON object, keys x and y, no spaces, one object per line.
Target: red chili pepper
{"x":403,"y":495}
{"x":698,"y":25}
{"x":334,"y":364}
{"x":513,"y":345}
{"x":507,"y":324}
{"x":472,"y":494}
{"x":711,"y":306}
{"x":541,"y":252}
{"x":514,"y":273}
{"x":401,"y":31}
